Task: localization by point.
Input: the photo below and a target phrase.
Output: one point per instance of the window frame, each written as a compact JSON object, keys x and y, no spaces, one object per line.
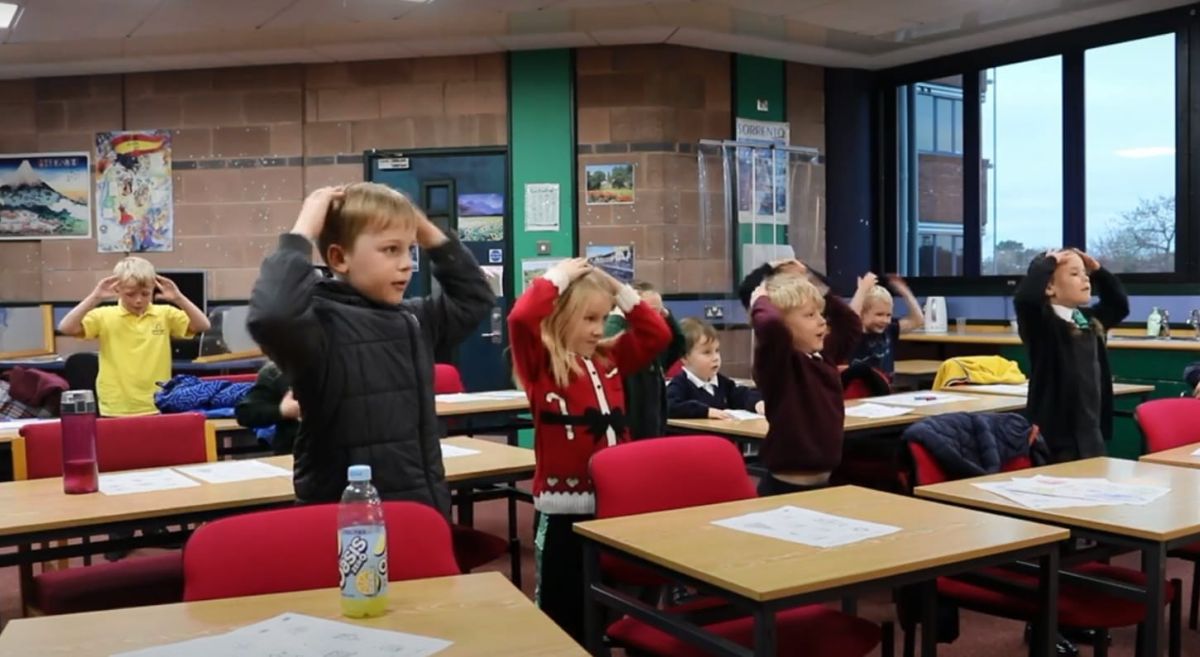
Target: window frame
{"x":1070,"y":46}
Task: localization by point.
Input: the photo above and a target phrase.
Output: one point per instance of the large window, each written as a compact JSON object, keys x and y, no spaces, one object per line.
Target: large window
{"x":930,"y":165}
{"x":1021,"y":193}
{"x":1129,"y":101}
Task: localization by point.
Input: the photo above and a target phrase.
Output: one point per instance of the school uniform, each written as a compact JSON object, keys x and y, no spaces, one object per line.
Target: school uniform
{"x":689,"y":396}
{"x":877,"y":350}
{"x":645,"y":396}
{"x":135,"y":354}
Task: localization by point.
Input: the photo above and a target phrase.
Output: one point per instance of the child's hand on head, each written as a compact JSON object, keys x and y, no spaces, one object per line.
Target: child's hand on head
{"x":312,"y":214}
{"x":429,"y":236}
{"x":654,"y":300}
{"x":573,"y":268}
{"x":789,"y":266}
{"x":867,"y":281}
{"x":718,"y":414}
{"x":760,"y":408}
{"x":1089,"y":263}
{"x":167,"y":289}
{"x":760,"y":291}
{"x":106,"y":289}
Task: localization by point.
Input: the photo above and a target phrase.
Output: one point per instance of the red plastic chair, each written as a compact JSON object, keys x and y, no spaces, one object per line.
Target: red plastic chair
{"x":295,"y":549}
{"x":1167,"y":424}
{"x":682,"y":471}
{"x":446,"y":380}
{"x":1079,"y":606}
{"x":674,"y":370}
{"x":126,"y":443}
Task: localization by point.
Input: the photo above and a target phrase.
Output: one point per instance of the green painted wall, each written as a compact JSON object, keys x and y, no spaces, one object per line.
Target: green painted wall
{"x":759,"y":78}
{"x":542,"y":143}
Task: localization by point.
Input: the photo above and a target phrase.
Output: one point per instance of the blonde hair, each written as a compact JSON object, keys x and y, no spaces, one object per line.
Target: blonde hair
{"x":877,"y":294}
{"x":365,"y":207}
{"x":135,"y":270}
{"x":788,"y":291}
{"x":556,"y":327}
{"x":696,"y":331}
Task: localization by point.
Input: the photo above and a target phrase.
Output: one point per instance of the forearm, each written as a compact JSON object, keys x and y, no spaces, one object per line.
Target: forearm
{"x":280,"y":317}
{"x":859,"y":299}
{"x":916,"y":317}
{"x":72,"y":323}
{"x":197,"y":320}
{"x":845,"y":329}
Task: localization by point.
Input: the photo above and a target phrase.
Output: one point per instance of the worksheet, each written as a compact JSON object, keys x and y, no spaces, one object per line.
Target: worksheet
{"x":452,"y":451}
{"x":742,"y":416}
{"x":143,"y":481}
{"x":797,"y":525}
{"x":1043,"y":492}
{"x":920,"y":398}
{"x":224,"y":472}
{"x":1016,"y":390}
{"x":872,"y":411}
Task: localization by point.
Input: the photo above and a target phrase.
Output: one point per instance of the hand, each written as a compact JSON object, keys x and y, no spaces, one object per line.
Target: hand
{"x":654,"y":300}
{"x":760,"y":408}
{"x":167,"y":289}
{"x":760,"y":291}
{"x":1196,"y":392}
{"x":898,"y":285}
{"x":106,"y":289}
{"x":289,"y":408}
{"x":789,"y":265}
{"x":718,"y":414}
{"x":312,"y":214}
{"x":573,"y":268}
{"x":867,"y":281}
{"x":429,"y":236}
{"x":1089,"y":263}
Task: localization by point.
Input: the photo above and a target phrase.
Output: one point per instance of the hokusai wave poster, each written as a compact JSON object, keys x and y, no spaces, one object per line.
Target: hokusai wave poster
{"x":134,"y":208}
{"x":45,"y":196}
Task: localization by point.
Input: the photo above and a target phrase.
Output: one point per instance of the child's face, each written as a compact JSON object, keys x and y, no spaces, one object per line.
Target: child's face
{"x":586,"y":330}
{"x":1070,"y":285}
{"x":704,"y":359}
{"x":808,"y":327}
{"x":135,"y":297}
{"x":379,"y":265}
{"x":877,"y":316}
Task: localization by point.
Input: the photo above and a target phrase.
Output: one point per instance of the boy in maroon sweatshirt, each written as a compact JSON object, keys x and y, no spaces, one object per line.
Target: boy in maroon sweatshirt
{"x":795,"y":366}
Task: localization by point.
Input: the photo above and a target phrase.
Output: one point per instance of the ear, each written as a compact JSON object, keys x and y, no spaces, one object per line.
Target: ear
{"x":336,"y":258}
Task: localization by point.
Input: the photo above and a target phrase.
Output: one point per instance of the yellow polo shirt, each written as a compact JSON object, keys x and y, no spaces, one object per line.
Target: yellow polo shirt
{"x":135,"y":354}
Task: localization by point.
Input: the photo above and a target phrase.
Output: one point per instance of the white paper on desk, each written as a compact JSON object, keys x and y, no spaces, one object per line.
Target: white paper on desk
{"x":1195,"y":453}
{"x":1016,"y":390}
{"x":143,"y":481}
{"x":224,"y":472}
{"x":451,"y":451}
{"x":503,"y":394}
{"x":742,"y":416}
{"x":875,"y":411}
{"x":1056,"y":492}
{"x":297,"y":635}
{"x":457,"y":398}
{"x":17,"y":424}
{"x":921,"y":398}
{"x":1033,"y":500}
{"x":797,"y":525}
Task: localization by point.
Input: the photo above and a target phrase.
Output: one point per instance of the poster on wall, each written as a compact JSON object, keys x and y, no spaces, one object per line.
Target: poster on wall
{"x":616,"y":260}
{"x":480,"y":205}
{"x":133,"y":191}
{"x":609,"y":184}
{"x":541,"y":207}
{"x":489,"y":228}
{"x":45,"y":196}
{"x":532,"y":268}
{"x":762,"y":173}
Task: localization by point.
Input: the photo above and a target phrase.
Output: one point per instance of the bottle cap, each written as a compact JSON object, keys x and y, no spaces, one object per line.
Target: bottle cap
{"x":75,"y":402}
{"x":360,"y":473}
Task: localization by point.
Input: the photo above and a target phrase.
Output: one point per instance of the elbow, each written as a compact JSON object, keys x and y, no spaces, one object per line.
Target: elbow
{"x":201,"y":326}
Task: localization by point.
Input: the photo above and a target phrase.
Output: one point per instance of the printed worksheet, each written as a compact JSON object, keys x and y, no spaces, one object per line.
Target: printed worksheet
{"x":742,"y":416}
{"x":872,"y":411}
{"x":224,"y":472}
{"x":451,"y":451}
{"x":297,"y":635}
{"x":1033,"y":500}
{"x":143,"y":481}
{"x":1056,"y":492}
{"x":1016,"y":390}
{"x":797,"y":525}
{"x":920,"y":398}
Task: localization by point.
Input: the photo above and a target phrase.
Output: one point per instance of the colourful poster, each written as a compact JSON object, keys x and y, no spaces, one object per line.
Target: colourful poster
{"x":45,"y":196}
{"x":762,"y":172}
{"x":134,"y":204}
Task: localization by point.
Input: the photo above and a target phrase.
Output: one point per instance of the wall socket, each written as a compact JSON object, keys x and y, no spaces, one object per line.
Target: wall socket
{"x":714,"y":311}
{"x":543,"y":247}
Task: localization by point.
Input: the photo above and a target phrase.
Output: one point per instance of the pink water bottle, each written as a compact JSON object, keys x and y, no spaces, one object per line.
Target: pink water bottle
{"x":80,"y":471}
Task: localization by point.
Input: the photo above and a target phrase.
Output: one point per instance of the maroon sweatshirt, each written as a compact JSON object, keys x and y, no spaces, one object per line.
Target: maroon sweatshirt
{"x":803,"y":394}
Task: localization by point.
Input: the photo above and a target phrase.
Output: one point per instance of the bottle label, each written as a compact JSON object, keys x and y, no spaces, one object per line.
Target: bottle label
{"x":362,"y":561}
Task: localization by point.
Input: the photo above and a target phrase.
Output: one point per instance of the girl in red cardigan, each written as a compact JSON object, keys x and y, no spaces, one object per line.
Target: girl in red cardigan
{"x":572,"y":376}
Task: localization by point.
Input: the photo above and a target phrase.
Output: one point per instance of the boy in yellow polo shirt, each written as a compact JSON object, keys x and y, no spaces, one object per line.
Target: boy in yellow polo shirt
{"x":135,"y":334}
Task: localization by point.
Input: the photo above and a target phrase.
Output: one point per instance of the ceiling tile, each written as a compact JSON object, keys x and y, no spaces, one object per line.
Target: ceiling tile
{"x":61,"y":20}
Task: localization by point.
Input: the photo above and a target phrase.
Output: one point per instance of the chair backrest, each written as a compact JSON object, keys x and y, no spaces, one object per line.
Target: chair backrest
{"x":295,"y":549}
{"x":660,"y":474}
{"x":81,"y":369}
{"x":1167,"y":423}
{"x":929,"y":471}
{"x":122,"y":443}
{"x":862,"y":381}
{"x":446,"y":380}
{"x":674,"y":370}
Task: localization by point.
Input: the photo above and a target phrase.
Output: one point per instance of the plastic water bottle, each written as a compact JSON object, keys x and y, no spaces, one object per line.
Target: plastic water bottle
{"x":362,"y":547}
{"x":80,"y":471}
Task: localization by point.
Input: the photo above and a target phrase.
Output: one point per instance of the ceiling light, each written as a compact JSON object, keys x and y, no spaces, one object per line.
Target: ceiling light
{"x":8,"y":12}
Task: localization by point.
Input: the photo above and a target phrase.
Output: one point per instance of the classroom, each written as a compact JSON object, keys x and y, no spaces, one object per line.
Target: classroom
{"x":629,"y":328}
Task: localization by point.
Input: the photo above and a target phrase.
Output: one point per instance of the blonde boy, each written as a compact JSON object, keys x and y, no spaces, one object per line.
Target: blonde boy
{"x":874,"y":304}
{"x":135,"y":334}
{"x":795,"y":366}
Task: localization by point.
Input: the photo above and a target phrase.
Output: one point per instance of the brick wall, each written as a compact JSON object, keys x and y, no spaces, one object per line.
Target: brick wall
{"x":806,"y":118}
{"x":939,"y":180}
{"x":248,"y":144}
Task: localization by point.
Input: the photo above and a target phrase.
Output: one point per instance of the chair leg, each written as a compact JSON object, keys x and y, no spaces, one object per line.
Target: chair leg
{"x":910,"y":640}
{"x":1175,"y":620}
{"x":887,"y":639}
{"x":1100,"y":645}
{"x":1194,"y":612}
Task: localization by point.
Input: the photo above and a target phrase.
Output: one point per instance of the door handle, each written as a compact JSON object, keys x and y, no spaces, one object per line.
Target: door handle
{"x":491,"y":334}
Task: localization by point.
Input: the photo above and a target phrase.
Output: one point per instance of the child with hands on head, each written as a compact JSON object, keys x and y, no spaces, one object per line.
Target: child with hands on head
{"x":874,"y":304}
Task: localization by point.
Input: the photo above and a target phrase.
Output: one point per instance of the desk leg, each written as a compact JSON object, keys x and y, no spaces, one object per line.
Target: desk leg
{"x":929,"y":618}
{"x":514,"y":542}
{"x":466,"y":507}
{"x":1154,"y":565}
{"x":765,"y":641}
{"x":1045,"y":627}
{"x":593,"y":632}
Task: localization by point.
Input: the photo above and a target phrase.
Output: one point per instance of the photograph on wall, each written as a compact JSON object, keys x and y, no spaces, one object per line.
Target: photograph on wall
{"x":134,"y":207}
{"x":532,"y":268}
{"x":45,"y":196}
{"x":762,"y":173}
{"x":616,"y":260}
{"x":481,"y":229}
{"x":542,"y":207}
{"x":480,"y":205}
{"x":609,"y":184}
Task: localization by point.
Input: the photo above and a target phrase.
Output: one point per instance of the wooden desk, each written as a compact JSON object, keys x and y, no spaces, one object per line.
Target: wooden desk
{"x":1119,"y":340}
{"x":482,"y":614}
{"x":917,"y":367}
{"x":1179,"y":457}
{"x":1119,"y":390}
{"x":455,"y":409}
{"x":1169,"y":522}
{"x":768,"y":574}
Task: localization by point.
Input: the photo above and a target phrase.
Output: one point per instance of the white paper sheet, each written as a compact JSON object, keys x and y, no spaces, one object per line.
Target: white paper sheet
{"x":1016,"y":390}
{"x":451,"y":451}
{"x":742,"y":416}
{"x":921,"y":398}
{"x":503,"y":394}
{"x":459,"y":398}
{"x":797,"y":525}
{"x":297,"y":635}
{"x":875,"y":411}
{"x":224,"y":472}
{"x":17,"y":424}
{"x":144,"y":481}
{"x":1195,"y":453}
{"x":1056,"y":492}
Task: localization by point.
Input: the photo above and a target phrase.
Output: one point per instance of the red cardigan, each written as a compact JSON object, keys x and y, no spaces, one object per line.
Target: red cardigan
{"x":563,"y":449}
